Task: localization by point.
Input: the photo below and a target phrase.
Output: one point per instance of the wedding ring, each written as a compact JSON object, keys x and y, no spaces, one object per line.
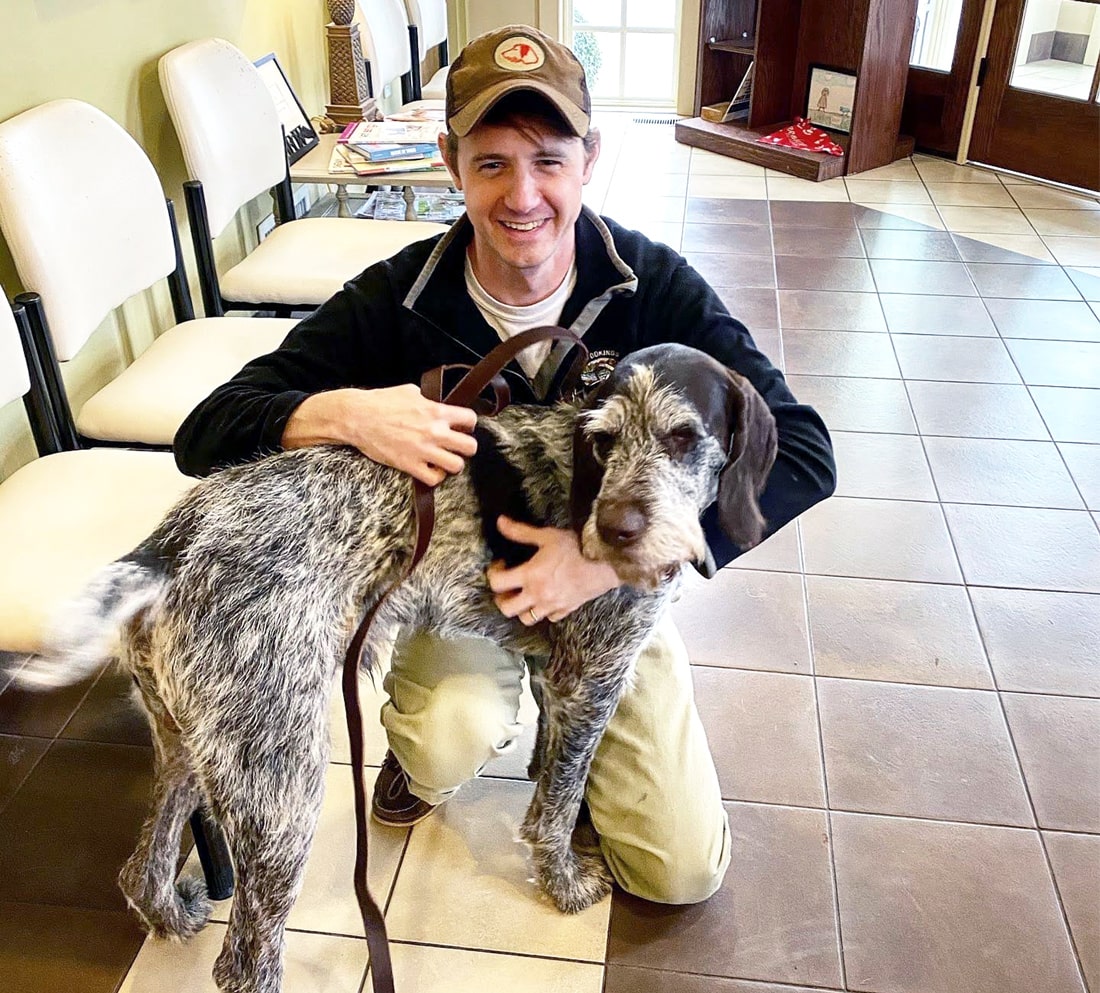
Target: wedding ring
{"x":531,"y":613}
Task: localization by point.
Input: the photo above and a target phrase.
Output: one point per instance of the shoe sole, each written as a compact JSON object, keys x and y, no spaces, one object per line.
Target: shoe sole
{"x":403,"y":822}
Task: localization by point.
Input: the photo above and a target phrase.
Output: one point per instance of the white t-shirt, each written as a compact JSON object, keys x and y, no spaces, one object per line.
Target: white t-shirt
{"x":510,"y":321}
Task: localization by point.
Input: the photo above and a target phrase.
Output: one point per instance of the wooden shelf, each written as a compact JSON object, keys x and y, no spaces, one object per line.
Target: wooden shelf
{"x":739,"y":46}
{"x":741,"y":142}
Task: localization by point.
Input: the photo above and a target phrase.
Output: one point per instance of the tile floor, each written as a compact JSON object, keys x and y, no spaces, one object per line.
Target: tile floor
{"x":902,"y":689}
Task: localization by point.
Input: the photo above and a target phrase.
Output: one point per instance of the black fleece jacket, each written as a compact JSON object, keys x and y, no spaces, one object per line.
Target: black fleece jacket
{"x":411,"y":313}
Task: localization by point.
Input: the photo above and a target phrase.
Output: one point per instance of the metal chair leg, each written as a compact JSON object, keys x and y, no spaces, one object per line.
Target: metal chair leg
{"x":217,"y":865}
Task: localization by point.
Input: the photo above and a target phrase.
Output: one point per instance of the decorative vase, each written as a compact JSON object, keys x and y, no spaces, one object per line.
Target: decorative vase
{"x":341,"y":11}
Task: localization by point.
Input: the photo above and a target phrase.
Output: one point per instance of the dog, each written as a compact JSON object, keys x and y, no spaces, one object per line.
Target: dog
{"x":235,"y":613}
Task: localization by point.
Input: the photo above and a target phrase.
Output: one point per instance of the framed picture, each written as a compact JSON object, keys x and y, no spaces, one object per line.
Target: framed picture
{"x":297,"y":131}
{"x":832,"y":96}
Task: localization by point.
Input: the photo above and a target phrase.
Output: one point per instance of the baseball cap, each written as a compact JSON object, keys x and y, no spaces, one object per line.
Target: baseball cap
{"x":515,"y":57}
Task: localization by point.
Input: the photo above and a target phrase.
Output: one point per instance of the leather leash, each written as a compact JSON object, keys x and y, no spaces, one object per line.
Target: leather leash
{"x":486,"y":374}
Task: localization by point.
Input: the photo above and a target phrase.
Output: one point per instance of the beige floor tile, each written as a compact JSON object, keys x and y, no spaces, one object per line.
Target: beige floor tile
{"x":1071,"y":414}
{"x":848,"y":404}
{"x":878,"y":539}
{"x":873,"y":192}
{"x":628,"y":179}
{"x":1040,"y":642}
{"x":890,"y":466}
{"x":928,"y":907}
{"x":919,"y":751}
{"x":914,"y":313}
{"x":781,"y":552}
{"x":1057,"y":363}
{"x":1059,"y":320}
{"x":1084,"y":466}
{"x":933,"y":170}
{"x":744,"y":619}
{"x":1074,"y":251}
{"x":1028,"y":245}
{"x":771,"y":920}
{"x":762,"y":730}
{"x":704,"y":163}
{"x":833,"y":310}
{"x":665,"y":232}
{"x":998,"y":220}
{"x":896,"y":632}
{"x":1026,"y":548}
{"x":1013,"y":473}
{"x":839,"y":353}
{"x":902,"y":170}
{"x":791,"y":188}
{"x":466,"y":881}
{"x":970,"y":195}
{"x":314,"y":963}
{"x":630,"y":210}
{"x":736,"y":187}
{"x":1058,"y":741}
{"x":1046,"y":197}
{"x":907,"y":276}
{"x":1068,"y":223}
{"x":898,"y":215}
{"x":427,"y":969}
{"x":1028,"y":282}
{"x":949,"y":359}
{"x":926,"y":246}
{"x":975,"y":410}
{"x":1075,"y":859}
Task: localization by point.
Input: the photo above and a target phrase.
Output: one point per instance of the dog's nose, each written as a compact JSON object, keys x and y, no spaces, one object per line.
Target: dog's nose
{"x":621,"y":524}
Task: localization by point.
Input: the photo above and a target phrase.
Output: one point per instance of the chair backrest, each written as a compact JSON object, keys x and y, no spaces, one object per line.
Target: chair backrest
{"x":385,"y":34}
{"x":84,"y":215}
{"x":227,"y":124}
{"x":430,"y":18}
{"x":15,"y":381}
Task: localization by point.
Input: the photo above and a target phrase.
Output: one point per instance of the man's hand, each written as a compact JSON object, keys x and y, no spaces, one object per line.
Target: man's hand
{"x":396,"y":426}
{"x":554,"y":582}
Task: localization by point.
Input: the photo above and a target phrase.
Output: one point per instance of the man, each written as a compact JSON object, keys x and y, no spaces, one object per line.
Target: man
{"x":520,"y":147}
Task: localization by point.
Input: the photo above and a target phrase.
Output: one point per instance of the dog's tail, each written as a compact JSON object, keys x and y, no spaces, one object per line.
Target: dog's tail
{"x":84,"y":633}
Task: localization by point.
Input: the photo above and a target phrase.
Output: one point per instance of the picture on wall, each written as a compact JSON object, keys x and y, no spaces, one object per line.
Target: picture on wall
{"x":831,"y":98}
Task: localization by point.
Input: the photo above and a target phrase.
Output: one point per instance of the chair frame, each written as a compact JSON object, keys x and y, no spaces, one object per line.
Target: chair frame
{"x":411,"y":83}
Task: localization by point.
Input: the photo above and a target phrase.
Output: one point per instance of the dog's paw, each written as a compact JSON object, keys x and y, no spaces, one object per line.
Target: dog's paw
{"x":193,"y":908}
{"x":576,"y":882}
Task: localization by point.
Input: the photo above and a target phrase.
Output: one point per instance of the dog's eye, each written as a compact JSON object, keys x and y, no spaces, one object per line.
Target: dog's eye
{"x":602,"y":442}
{"x":680,"y":442}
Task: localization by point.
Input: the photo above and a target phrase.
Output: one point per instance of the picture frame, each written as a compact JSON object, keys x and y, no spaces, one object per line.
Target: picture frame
{"x":298,"y":134}
{"x":830,"y":98}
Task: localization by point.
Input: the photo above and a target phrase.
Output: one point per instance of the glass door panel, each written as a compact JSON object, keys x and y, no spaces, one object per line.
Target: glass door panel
{"x":1057,"y":49}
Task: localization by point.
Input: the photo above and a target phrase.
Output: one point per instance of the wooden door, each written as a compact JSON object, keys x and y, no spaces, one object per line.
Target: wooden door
{"x":1020,"y":124}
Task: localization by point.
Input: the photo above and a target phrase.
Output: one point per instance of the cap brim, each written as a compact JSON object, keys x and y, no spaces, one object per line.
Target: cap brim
{"x":468,"y":117}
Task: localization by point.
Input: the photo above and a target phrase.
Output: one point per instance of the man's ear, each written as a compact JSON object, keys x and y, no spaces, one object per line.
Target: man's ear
{"x":591,"y":157}
{"x":451,"y":164}
{"x":753,"y":444}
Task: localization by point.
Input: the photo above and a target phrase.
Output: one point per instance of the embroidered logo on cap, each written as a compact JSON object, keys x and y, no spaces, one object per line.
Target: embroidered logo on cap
{"x":519,"y":54}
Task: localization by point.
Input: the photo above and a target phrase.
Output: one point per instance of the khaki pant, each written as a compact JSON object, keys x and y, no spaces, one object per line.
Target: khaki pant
{"x":652,"y":791}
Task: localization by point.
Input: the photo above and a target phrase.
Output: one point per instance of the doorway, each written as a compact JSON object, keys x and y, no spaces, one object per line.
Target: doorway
{"x":1037,"y":110}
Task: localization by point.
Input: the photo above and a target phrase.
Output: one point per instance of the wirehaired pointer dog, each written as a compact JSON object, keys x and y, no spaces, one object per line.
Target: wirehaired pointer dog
{"x":234,"y":614}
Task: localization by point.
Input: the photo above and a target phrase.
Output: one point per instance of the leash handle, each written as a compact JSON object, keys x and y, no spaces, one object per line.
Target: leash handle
{"x":484,"y":375}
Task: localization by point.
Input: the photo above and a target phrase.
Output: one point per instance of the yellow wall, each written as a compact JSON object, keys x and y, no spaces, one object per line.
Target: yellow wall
{"x":106,"y":52}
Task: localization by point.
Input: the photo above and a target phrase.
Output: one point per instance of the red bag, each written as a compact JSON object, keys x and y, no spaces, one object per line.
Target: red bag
{"x":802,"y":134}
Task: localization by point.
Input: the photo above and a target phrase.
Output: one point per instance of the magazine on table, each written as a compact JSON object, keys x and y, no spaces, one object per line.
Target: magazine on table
{"x":391,"y":132}
{"x":345,"y":161}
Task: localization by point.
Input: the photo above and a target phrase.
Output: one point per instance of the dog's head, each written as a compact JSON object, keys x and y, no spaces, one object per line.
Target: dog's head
{"x":669,"y":432}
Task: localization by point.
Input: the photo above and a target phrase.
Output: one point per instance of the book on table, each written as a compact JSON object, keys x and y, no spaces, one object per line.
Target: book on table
{"x":391,"y":132}
{"x":346,"y":160}
{"x":389,"y":152}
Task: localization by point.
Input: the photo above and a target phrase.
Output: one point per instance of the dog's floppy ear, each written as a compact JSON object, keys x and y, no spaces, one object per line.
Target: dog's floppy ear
{"x":751,"y":455}
{"x":587,"y":477}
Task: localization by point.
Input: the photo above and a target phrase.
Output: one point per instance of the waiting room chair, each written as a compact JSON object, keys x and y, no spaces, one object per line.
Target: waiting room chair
{"x":387,"y":47}
{"x":87,"y":245}
{"x":428,"y":30}
{"x":232,"y":144}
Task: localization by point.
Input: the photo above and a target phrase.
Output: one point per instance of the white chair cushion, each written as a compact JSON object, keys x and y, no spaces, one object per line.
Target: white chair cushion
{"x":149,"y":400}
{"x":309,"y":260}
{"x":436,"y":87}
{"x":430,"y":18}
{"x":86,"y":242}
{"x":65,"y":516}
{"x":385,"y":36}
{"x":14,"y":378}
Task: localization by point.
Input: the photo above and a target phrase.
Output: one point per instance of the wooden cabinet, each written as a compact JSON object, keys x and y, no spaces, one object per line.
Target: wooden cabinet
{"x":782,"y":39}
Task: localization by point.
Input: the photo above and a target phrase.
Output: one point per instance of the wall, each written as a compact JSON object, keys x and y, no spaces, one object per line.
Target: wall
{"x":106,"y":52}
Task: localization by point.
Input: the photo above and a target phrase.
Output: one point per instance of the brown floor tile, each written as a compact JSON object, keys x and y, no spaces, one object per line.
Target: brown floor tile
{"x":772,"y":919}
{"x":925,"y":246}
{"x":65,"y":949}
{"x":728,"y":239}
{"x":737,"y":271}
{"x":803,"y":272}
{"x":912,"y":313}
{"x":869,"y":219}
{"x":928,"y":907}
{"x":1026,"y":548}
{"x":762,"y":729}
{"x":828,"y":243}
{"x":745,"y":619}
{"x":835,"y":310}
{"x":1084,"y":466}
{"x":1028,"y":282}
{"x":625,"y":979}
{"x":986,"y":470}
{"x":975,"y":410}
{"x":898,"y":276}
{"x":878,"y":539}
{"x":1057,"y":363}
{"x":40,"y":713}
{"x":721,"y":210}
{"x":849,"y":404}
{"x":1071,"y":414}
{"x":73,"y":823}
{"x":839,"y":353}
{"x":18,"y":756}
{"x":1075,"y":859}
{"x":1058,"y":741}
{"x":110,"y":713}
{"x":873,"y":629}
{"x":919,"y":751}
{"x":949,"y":359}
{"x":972,"y":250}
{"x":813,"y":215}
{"x":1041,"y":642}
{"x":1066,"y":320}
{"x":890,"y":466}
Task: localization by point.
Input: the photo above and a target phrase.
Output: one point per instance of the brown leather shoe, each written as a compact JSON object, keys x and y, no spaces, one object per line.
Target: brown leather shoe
{"x":393,"y":803}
